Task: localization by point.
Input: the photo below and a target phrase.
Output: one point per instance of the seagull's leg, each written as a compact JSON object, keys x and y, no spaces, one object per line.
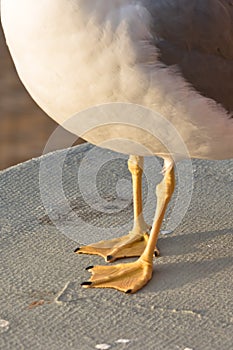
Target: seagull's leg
{"x":135,"y":242}
{"x":130,"y":277}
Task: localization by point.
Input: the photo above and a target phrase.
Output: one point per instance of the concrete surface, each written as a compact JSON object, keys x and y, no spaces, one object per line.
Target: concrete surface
{"x":187,"y":305}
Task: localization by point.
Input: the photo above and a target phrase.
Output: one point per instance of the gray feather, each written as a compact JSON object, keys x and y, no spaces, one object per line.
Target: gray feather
{"x":197,"y":36}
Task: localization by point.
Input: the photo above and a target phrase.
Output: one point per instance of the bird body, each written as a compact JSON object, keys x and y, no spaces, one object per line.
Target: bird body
{"x":174,"y":57}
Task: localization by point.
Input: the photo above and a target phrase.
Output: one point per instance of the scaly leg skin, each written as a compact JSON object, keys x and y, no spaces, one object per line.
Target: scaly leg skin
{"x":130,"y":277}
{"x":135,"y":242}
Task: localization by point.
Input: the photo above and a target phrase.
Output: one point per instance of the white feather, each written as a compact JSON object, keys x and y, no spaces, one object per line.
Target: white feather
{"x":75,"y":54}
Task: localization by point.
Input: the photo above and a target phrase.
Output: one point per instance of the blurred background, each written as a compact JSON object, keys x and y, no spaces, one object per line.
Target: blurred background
{"x":24,"y":128}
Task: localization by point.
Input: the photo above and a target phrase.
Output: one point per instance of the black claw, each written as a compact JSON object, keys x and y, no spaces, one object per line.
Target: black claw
{"x":128,"y":291}
{"x":109,"y":257}
{"x":89,"y":267}
{"x":76,"y":250}
{"x":86,"y":283}
{"x":156,"y":254}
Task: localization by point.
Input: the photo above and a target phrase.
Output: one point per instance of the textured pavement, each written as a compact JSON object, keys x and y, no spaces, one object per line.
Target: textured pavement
{"x":188,"y":304}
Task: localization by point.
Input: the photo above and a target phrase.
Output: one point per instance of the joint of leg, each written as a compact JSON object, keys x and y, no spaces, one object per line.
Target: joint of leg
{"x":134,"y":168}
{"x":166,"y":186}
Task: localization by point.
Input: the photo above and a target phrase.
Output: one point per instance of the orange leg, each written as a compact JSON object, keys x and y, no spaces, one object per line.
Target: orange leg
{"x":130,"y":277}
{"x":134,"y":243}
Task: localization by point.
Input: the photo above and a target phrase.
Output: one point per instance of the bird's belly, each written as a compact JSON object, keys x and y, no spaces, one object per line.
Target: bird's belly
{"x":74,"y":70}
{"x":79,"y":94}
{"x":73,"y":55}
{"x":71,"y":67}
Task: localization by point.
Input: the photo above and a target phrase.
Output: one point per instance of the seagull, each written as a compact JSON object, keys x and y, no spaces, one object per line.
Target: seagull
{"x":173,"y":57}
